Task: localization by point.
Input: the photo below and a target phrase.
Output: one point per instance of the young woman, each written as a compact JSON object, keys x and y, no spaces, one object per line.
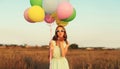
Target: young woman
{"x":58,"y":49}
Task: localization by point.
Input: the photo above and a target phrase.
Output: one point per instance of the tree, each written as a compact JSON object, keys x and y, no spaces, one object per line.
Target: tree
{"x":1,"y":44}
{"x":74,"y":46}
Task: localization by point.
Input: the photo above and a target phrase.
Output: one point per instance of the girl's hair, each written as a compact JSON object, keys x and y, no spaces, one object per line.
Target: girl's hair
{"x":55,"y":37}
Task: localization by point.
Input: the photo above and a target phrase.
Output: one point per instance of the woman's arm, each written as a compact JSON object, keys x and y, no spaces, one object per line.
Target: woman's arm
{"x":50,"y":50}
{"x":64,"y":49}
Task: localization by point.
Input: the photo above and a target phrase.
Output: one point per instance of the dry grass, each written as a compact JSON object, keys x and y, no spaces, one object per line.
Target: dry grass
{"x":94,"y":59}
{"x":37,"y":58}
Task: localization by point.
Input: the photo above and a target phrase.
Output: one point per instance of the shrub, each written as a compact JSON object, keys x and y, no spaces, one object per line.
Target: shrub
{"x":73,"y":46}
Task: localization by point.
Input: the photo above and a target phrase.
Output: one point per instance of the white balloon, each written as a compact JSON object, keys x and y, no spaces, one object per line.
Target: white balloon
{"x":60,"y":1}
{"x":50,"y":6}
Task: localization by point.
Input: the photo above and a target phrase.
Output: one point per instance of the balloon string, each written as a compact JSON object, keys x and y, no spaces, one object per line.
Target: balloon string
{"x":50,"y":49}
{"x":50,"y":31}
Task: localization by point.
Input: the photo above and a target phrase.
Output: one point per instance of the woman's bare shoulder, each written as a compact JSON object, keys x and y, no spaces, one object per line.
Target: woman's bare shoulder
{"x":52,"y":42}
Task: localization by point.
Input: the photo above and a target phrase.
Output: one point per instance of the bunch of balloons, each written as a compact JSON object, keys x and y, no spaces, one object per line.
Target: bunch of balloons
{"x":49,"y":11}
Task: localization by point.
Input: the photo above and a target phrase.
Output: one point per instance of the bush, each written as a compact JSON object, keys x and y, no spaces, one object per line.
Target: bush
{"x":73,"y":46}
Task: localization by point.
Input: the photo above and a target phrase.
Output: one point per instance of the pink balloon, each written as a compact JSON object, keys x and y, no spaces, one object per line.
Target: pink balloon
{"x":26,"y":16}
{"x":49,"y":18}
{"x":64,"y":10}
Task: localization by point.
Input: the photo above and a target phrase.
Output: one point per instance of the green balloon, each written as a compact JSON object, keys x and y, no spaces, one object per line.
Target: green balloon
{"x":71,"y":17}
{"x":36,"y":2}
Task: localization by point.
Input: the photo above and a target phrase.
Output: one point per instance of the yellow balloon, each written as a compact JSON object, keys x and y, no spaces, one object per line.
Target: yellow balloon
{"x":36,"y":14}
{"x":62,"y":23}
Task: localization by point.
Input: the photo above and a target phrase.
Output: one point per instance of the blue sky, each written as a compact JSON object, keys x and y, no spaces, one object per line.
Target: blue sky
{"x":97,"y":24}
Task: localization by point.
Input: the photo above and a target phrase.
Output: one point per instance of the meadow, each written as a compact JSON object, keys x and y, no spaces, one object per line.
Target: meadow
{"x":37,"y":58}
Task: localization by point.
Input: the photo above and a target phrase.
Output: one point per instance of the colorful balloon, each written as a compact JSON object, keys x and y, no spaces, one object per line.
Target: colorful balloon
{"x":62,"y":23}
{"x":60,"y":1}
{"x":50,"y":6}
{"x":49,"y":18}
{"x":36,"y":2}
{"x":36,"y":14}
{"x":71,"y":17}
{"x":64,"y":10}
{"x":26,"y":16}
{"x":59,"y":10}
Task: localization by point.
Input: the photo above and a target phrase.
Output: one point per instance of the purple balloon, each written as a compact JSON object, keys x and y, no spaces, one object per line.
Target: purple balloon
{"x":49,"y":18}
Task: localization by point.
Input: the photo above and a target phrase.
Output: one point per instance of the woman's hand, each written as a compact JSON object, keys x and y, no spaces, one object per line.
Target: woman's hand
{"x":61,"y":39}
{"x":61,"y":44}
{"x":68,"y":44}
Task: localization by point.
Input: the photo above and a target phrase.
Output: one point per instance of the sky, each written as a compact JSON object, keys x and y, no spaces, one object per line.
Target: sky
{"x":97,"y":24}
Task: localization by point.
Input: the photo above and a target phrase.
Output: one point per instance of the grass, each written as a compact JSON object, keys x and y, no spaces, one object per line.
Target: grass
{"x":37,"y":58}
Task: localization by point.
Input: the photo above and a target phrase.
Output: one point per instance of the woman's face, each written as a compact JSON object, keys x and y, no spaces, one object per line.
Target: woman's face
{"x":60,"y":32}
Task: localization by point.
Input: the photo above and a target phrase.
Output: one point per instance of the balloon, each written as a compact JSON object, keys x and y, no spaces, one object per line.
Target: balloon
{"x":71,"y":17}
{"x":64,"y":10}
{"x":60,"y":1}
{"x":49,"y":18}
{"x":36,"y":14}
{"x":62,"y":23}
{"x":26,"y":16}
{"x":54,"y":15}
{"x":50,"y":6}
{"x":36,"y":2}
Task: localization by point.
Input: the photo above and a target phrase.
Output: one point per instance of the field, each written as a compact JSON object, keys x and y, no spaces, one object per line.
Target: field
{"x":37,"y":58}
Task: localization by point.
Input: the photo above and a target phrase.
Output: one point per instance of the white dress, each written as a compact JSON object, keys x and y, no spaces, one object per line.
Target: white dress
{"x":58,"y":62}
